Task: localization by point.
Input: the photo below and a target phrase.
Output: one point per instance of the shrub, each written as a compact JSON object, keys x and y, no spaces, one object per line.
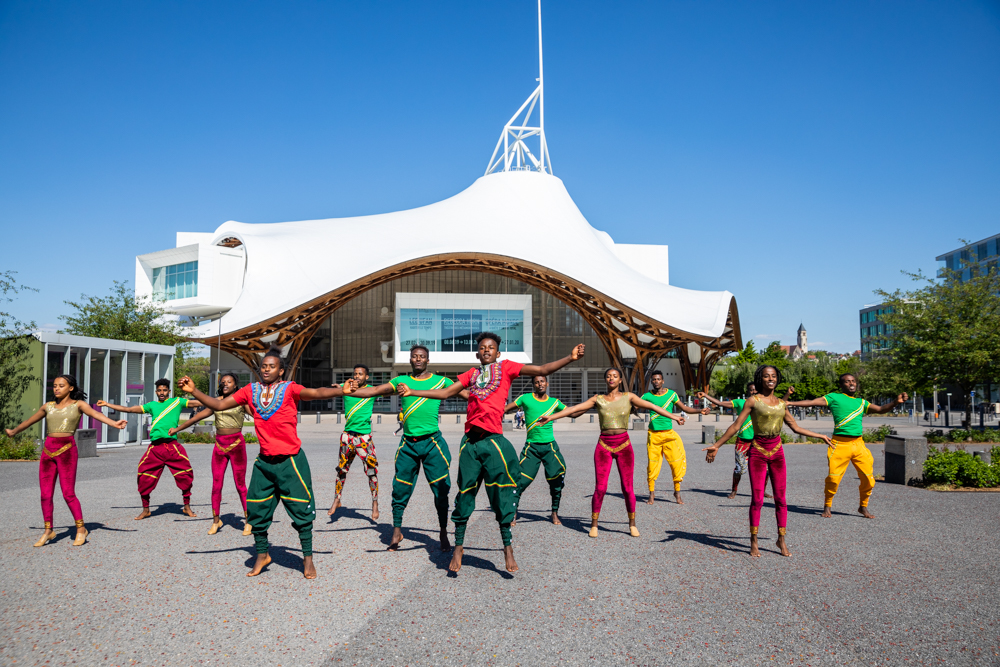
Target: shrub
{"x":961,"y":469}
{"x":18,"y":447}
{"x":208,"y":438}
{"x":877,"y":434}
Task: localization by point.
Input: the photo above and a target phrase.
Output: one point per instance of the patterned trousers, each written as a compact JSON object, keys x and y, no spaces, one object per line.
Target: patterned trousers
{"x":358,"y":445}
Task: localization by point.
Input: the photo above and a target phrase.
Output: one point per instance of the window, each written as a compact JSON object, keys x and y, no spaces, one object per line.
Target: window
{"x":178,"y":281}
{"x":455,"y":330}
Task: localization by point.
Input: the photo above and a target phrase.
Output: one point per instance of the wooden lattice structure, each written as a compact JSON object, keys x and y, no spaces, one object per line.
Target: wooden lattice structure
{"x":635,"y":342}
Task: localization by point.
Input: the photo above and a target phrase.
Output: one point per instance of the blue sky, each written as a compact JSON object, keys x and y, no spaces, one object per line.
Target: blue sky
{"x":797,"y":154}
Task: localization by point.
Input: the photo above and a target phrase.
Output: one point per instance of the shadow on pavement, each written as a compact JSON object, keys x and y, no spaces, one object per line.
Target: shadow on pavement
{"x":480,"y":564}
{"x":287,"y":557}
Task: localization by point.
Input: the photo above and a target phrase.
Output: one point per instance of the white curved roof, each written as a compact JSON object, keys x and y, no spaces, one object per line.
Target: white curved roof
{"x":518,"y":214}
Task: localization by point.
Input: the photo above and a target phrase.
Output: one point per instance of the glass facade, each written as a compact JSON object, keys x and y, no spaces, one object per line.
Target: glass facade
{"x":455,"y":330}
{"x":178,"y":281}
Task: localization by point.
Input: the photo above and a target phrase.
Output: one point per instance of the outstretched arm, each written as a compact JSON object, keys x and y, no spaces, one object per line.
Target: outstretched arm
{"x":882,"y":409}
{"x":812,"y":403}
{"x":714,"y":401}
{"x":367,"y":392}
{"x":790,"y":420}
{"x":510,"y":407}
{"x":438,"y":394}
{"x":186,"y":385}
{"x":135,"y":409}
{"x":571,"y":411}
{"x":100,"y":416}
{"x":691,"y":411}
{"x":33,"y":419}
{"x":731,"y":431}
{"x":639,"y":403}
{"x":204,"y":414}
{"x":553,"y":366}
{"x":322,"y":393}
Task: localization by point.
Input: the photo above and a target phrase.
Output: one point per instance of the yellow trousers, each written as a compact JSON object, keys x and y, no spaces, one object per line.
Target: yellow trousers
{"x":665,"y":445}
{"x":850,"y":450}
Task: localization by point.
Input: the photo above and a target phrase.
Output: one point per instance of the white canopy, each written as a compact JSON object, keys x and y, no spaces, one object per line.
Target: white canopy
{"x":524,"y":215}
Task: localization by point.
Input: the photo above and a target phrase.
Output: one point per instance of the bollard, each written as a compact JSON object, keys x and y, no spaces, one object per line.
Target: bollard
{"x":338,"y":417}
{"x":699,"y":416}
{"x":904,"y":459}
{"x":378,"y":419}
{"x":707,"y":435}
{"x":572,"y":420}
{"x":458,"y":419}
{"x":716,"y":416}
{"x":317,"y":417}
{"x":439,"y":418}
{"x":298,"y":417}
{"x":86,"y":442}
{"x":591,"y":419}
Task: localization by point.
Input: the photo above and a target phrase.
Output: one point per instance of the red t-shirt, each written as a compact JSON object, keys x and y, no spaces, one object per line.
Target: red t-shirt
{"x":275,"y":422}
{"x":488,"y":388}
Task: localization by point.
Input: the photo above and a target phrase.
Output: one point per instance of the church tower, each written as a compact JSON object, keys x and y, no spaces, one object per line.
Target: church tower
{"x":800,"y":341}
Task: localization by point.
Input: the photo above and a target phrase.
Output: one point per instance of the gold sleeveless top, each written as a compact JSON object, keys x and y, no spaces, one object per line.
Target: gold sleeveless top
{"x":613,"y":414}
{"x":231,"y":418}
{"x":61,"y":420}
{"x":766,"y":419}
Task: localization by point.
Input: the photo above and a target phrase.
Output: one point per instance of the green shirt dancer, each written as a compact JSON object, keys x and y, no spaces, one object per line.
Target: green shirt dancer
{"x":540,"y":448}
{"x":356,"y":441}
{"x":485,"y":455}
{"x":421,"y":445}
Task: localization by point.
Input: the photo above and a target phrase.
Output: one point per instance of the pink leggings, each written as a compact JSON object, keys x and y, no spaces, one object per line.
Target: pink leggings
{"x":62,"y":466}
{"x":624,"y":458}
{"x":229,"y":448}
{"x":761,"y":468}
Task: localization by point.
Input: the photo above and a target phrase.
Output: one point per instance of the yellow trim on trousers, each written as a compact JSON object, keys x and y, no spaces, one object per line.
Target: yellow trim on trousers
{"x":850,"y":450}
{"x":665,"y":445}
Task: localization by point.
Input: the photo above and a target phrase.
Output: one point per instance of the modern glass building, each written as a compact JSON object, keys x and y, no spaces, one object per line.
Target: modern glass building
{"x":967,"y":261}
{"x":874,"y":332}
{"x":118,"y":371}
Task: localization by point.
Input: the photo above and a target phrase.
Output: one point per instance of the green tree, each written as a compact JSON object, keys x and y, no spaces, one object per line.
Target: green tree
{"x":122,"y":316}
{"x":15,"y":346}
{"x":946,"y":332}
{"x":199,"y":370}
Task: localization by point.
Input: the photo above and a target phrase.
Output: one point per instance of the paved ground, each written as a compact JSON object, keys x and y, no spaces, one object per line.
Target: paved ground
{"x":916,"y":586}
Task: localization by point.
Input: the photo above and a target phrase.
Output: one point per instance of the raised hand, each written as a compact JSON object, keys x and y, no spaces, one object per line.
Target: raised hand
{"x":578,"y":352}
{"x":102,"y":403}
{"x":902,"y":398}
{"x":186,"y":385}
{"x":700,"y":395}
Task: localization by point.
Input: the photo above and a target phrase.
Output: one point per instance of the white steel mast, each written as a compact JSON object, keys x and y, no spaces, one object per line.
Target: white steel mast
{"x":516,"y":155}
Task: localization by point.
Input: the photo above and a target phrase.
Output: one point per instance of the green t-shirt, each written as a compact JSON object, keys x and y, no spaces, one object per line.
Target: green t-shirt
{"x":533,"y":409}
{"x":420,"y":415}
{"x":847,"y":413}
{"x":664,"y":400}
{"x":166,"y":415}
{"x":746,"y":430}
{"x":359,"y":414}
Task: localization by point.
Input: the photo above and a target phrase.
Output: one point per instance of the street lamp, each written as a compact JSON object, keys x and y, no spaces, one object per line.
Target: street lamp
{"x":948,"y":416}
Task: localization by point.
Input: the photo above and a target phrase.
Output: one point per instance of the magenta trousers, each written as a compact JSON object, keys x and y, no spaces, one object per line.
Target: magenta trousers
{"x":229,"y":448}
{"x":615,"y":448}
{"x":763,"y":467}
{"x":62,"y":466}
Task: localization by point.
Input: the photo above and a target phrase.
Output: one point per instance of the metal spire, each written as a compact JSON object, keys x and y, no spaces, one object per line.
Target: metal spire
{"x":517,"y":156}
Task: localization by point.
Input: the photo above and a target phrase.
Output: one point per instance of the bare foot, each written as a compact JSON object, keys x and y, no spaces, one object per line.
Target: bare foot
{"x":263,"y":560}
{"x":784,"y":547}
{"x":397,"y":537}
{"x":445,"y":543}
{"x":374,"y":510}
{"x":187,"y":510}
{"x":768,"y":495}
{"x":514,"y":522}
{"x":555,"y":519}
{"x":733,"y":494}
{"x":216,"y":525}
{"x":754,"y":551}
{"x":826,"y":513}
{"x":308,"y":569}
{"x":677,"y":497}
{"x":456,"y":560}
{"x":652,"y":498}
{"x":46,"y":537}
{"x":863,"y":511}
{"x":508,"y":556}
{"x":144,"y":514}
{"x":334,"y":507}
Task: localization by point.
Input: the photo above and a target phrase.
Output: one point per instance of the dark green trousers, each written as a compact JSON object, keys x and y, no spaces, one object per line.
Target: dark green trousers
{"x":489,"y":459}
{"x":547,"y":454}
{"x":431,"y":451}
{"x":286,"y":479}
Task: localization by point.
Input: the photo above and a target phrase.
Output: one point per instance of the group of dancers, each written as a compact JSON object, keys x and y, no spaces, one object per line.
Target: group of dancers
{"x":281,"y":473}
